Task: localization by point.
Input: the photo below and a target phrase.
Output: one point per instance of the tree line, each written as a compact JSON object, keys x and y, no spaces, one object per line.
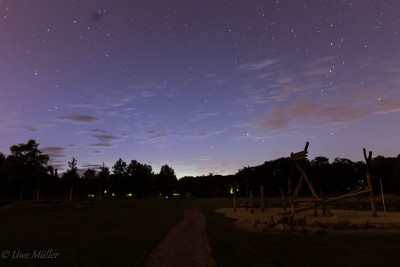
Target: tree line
{"x":26,"y":174}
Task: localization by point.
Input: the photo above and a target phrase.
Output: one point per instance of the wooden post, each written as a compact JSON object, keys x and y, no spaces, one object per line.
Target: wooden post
{"x":368,"y":161}
{"x":21,"y":196}
{"x":247,"y":193}
{"x":283,"y":199}
{"x":292,"y":211}
{"x":251,"y":202}
{"x":234,"y":201}
{"x":315,"y":207}
{"x":262,"y":199}
{"x":323,"y":208}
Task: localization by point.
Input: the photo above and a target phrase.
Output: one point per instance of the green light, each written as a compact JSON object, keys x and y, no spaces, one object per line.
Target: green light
{"x":176,"y":194}
{"x":234,"y":189}
{"x":129,"y":195}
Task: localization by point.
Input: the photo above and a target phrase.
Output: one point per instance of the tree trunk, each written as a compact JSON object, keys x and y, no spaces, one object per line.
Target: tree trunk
{"x":369,"y":181}
{"x":251,"y":202}
{"x":21,"y":196}
{"x":234,"y":201}
{"x":262,"y":199}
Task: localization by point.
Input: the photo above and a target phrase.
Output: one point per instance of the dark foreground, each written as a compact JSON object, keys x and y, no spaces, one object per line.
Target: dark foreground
{"x":123,"y":233}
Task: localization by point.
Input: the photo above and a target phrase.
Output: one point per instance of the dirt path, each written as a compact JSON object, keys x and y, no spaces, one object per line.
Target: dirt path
{"x":186,"y":244}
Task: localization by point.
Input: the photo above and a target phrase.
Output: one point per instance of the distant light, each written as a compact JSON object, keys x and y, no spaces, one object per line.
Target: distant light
{"x":233,"y":189}
{"x":105,"y":191}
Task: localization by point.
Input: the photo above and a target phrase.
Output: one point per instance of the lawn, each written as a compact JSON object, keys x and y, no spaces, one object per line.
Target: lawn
{"x":107,"y":233}
{"x":238,"y":248}
{"x":232,"y":247}
{"x":123,"y":233}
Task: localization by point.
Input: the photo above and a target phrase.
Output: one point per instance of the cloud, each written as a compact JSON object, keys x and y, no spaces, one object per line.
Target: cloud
{"x":156,"y":133}
{"x":56,"y":155}
{"x":322,"y":91}
{"x":99,"y":131}
{"x":32,"y":129}
{"x":200,"y":116}
{"x":258,"y":65}
{"x":278,"y":119}
{"x":315,"y":113}
{"x":105,"y":137}
{"x":147,"y":94}
{"x":203,"y":134}
{"x":388,"y":105}
{"x":78,"y":118}
{"x":101,"y":145}
{"x":201,"y":159}
{"x":54,"y":151}
{"x":91,"y":166}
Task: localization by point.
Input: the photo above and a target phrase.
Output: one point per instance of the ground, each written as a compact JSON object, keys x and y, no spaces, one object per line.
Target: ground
{"x":186,"y":244}
{"x":349,"y":220}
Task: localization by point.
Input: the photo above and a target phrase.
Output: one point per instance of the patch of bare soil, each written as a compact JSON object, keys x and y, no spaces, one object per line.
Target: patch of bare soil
{"x":186,"y":244}
{"x":343,"y":221}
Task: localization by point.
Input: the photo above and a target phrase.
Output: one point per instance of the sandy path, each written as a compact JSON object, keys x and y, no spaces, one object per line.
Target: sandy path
{"x":186,"y":244}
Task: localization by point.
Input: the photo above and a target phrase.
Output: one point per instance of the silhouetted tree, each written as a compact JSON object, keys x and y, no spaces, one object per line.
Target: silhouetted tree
{"x":3,"y":178}
{"x":342,"y":176}
{"x":88,"y":181}
{"x":101,"y":180}
{"x":141,"y":178}
{"x":28,"y":165}
{"x":319,"y":175}
{"x":393,"y":186}
{"x":89,"y":174}
{"x":166,"y":181}
{"x":2,"y":159}
{"x":70,"y":179}
{"x":118,"y":181}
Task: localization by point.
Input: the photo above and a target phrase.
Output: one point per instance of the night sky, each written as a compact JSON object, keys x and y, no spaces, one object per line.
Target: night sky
{"x":207,"y":86}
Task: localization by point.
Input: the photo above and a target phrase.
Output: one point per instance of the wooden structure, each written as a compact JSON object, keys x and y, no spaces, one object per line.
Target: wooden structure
{"x":298,"y":159}
{"x":315,"y":200}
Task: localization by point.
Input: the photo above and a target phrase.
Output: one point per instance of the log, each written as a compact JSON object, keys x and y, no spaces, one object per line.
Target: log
{"x":369,"y":181}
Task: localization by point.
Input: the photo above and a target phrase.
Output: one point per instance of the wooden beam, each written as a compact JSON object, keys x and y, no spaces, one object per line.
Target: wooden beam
{"x":349,"y":195}
{"x":308,"y":181}
{"x":306,"y":147}
{"x":299,"y":200}
{"x":297,"y":189}
{"x":302,"y":155}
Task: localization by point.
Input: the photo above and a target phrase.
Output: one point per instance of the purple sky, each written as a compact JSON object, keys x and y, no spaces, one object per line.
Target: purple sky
{"x":203,"y":86}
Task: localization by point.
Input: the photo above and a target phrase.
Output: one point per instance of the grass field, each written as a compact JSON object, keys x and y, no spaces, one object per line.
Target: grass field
{"x":123,"y":233}
{"x":118,"y":233}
